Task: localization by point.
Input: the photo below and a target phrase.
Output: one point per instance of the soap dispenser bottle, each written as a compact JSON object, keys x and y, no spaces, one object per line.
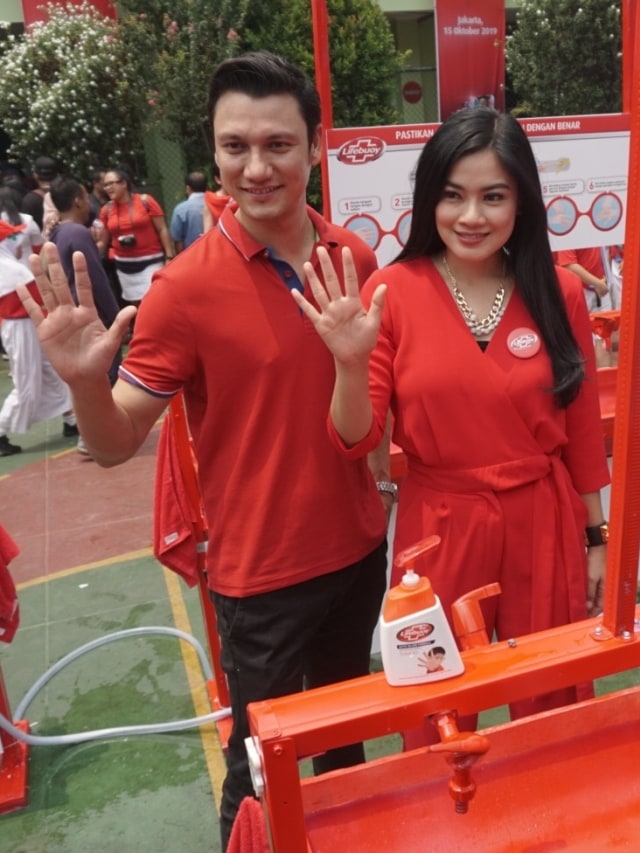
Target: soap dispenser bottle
{"x":416,"y":641}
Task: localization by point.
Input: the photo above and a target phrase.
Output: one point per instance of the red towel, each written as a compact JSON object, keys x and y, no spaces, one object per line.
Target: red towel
{"x":249,"y":831}
{"x":8,"y":230}
{"x":174,"y":541}
{"x":9,"y":608}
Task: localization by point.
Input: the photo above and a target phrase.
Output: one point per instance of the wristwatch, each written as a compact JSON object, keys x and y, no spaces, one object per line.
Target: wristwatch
{"x":388,"y":487}
{"x":596,"y":535}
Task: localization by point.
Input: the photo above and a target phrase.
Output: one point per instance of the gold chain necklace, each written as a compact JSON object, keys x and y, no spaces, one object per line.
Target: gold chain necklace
{"x":477,"y":327}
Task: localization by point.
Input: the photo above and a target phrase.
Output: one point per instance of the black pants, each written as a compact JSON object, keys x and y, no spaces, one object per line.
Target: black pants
{"x":308,"y":635}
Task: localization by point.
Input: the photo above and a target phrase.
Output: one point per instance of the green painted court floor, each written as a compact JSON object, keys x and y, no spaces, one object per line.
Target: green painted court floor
{"x":86,"y":571}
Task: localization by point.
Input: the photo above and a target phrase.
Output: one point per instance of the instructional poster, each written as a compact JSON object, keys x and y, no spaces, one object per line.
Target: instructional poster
{"x":582,"y":165}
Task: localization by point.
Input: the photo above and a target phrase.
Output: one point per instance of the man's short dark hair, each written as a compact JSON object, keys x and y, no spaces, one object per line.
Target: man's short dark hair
{"x":261,"y":74}
{"x":197,"y":181}
{"x":96,"y":174}
{"x":64,"y":191}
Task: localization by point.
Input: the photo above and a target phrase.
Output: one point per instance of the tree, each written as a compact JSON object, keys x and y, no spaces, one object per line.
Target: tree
{"x":189,"y":38}
{"x":564,"y":58}
{"x":365,"y":63}
{"x":71,"y":90}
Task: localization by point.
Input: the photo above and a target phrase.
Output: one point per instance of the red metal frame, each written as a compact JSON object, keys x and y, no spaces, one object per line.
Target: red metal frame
{"x":296,"y":727}
{"x":14,"y":760}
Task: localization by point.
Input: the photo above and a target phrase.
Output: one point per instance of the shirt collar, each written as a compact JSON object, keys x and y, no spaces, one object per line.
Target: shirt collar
{"x":229,"y":225}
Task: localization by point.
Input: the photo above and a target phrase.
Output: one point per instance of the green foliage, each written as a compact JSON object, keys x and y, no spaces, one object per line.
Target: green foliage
{"x":71,"y":90}
{"x":188,"y":39}
{"x":85,"y":89}
{"x":364,"y":61}
{"x":565,"y":57}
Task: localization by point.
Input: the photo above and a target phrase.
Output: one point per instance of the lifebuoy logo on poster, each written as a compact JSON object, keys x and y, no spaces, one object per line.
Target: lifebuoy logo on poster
{"x":365,"y":149}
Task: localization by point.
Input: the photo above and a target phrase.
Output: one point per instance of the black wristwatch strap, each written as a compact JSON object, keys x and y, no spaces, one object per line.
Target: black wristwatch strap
{"x":596,"y":535}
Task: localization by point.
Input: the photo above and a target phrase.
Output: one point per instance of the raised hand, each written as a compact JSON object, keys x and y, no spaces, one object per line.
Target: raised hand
{"x":72,"y":336}
{"x":347,"y":329}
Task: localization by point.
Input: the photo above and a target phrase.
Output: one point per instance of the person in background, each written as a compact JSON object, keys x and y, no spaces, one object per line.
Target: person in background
{"x":45,"y":170}
{"x":186,"y":220}
{"x":22,"y":243}
{"x":97,"y":195}
{"x":483,"y":349}
{"x":587,"y":265}
{"x":135,"y":234}
{"x":38,"y":393}
{"x":97,"y":199}
{"x":71,"y":235}
{"x":29,"y":239}
{"x":214,"y":201}
{"x":296,"y":561}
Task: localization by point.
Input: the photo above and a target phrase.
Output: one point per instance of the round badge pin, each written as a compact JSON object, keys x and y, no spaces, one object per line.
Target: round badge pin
{"x":523,"y":342}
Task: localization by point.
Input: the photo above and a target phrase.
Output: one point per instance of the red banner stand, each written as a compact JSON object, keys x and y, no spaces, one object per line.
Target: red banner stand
{"x":13,"y":761}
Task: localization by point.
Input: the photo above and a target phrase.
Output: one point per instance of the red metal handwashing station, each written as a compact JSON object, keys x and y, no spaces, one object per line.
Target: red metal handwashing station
{"x":568,"y":779}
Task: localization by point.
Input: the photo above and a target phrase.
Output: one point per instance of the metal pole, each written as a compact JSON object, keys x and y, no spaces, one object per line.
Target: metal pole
{"x":323,"y":84}
{"x":624,"y":545}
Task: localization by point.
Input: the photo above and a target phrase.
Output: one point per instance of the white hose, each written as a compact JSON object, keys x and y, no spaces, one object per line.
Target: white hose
{"x":121,"y":731}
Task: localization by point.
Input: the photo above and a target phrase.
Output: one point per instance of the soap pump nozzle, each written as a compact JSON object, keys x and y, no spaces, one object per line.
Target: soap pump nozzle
{"x":407,"y":559}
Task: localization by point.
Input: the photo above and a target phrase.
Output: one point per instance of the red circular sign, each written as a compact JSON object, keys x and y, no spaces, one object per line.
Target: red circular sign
{"x":412,"y":91}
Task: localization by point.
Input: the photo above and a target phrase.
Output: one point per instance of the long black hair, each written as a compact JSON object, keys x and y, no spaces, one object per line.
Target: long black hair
{"x":528,"y":253}
{"x":8,"y":205}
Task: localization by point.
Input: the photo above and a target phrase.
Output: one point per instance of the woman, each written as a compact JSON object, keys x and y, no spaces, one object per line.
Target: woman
{"x":136,"y":235}
{"x":483,"y":351}
{"x":29,"y":240}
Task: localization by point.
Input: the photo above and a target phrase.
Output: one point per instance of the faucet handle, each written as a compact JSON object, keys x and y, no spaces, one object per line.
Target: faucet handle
{"x":462,"y":750}
{"x":468,"y":621}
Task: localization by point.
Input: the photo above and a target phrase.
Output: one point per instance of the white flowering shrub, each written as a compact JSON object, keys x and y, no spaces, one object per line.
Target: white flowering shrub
{"x":73,"y":89}
{"x":564,"y":57}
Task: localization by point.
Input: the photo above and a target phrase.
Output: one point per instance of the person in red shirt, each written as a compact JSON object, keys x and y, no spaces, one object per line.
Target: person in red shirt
{"x":135,"y":234}
{"x":587,"y":265}
{"x":215,"y":202}
{"x":296,"y":558}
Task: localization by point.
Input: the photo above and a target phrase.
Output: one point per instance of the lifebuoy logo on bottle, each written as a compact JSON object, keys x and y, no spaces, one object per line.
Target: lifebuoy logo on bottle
{"x":415,"y":633}
{"x":365,"y":149}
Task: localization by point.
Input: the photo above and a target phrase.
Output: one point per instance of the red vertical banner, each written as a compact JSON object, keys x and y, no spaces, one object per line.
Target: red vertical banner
{"x":470,"y":38}
{"x":34,"y":10}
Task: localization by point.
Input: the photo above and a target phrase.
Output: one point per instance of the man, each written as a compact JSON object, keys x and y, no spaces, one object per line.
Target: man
{"x":97,"y":196}
{"x":297,"y":557}
{"x":70,"y":235}
{"x":186,"y":220}
{"x":45,"y":170}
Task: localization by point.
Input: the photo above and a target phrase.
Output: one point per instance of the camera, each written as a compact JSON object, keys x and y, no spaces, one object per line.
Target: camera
{"x":127,"y":240}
